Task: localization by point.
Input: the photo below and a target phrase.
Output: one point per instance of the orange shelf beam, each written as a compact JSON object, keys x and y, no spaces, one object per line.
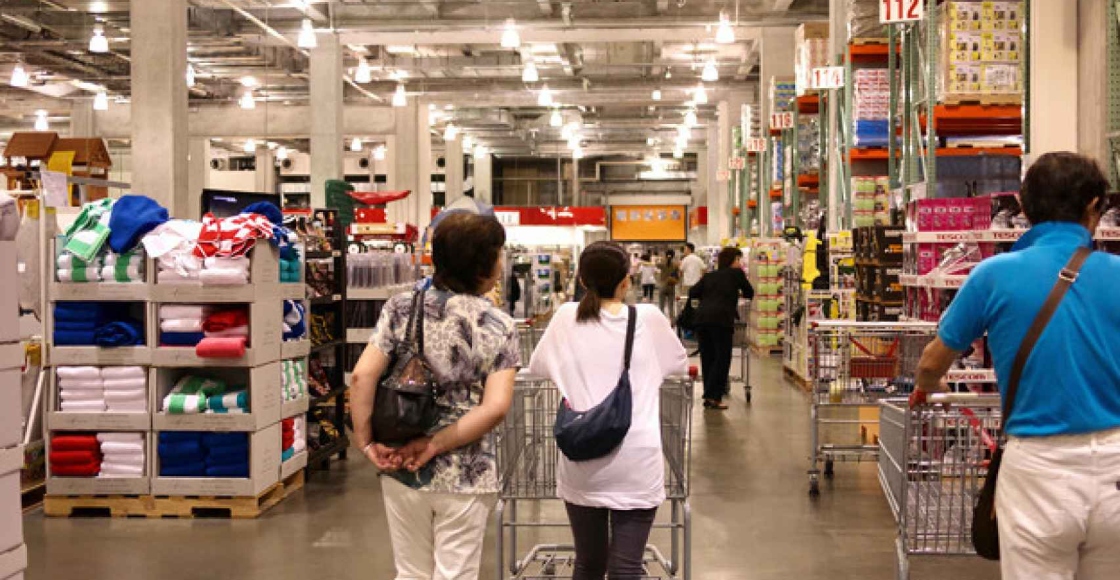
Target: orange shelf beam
{"x":956,"y":120}
{"x":808,"y":104}
{"x":880,"y":154}
{"x":869,"y":53}
{"x":808,"y":180}
{"x":775,"y":194}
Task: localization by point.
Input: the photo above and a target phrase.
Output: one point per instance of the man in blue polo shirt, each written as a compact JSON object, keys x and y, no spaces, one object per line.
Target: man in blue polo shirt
{"x":1058,"y":493}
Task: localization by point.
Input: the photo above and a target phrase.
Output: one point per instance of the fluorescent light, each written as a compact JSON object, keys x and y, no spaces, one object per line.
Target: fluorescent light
{"x":724,"y":33}
{"x":651,"y":141}
{"x":510,"y":37}
{"x":481,"y":151}
{"x":529,"y":74}
{"x":683,"y":132}
{"x":678,"y":154}
{"x":281,"y":153}
{"x":250,"y":146}
{"x":363,"y":74}
{"x":98,"y":7}
{"x":20,"y":77}
{"x":190,"y":75}
{"x":577,"y":153}
{"x":272,"y":145}
{"x":710,"y":73}
{"x":555,"y":119}
{"x":656,"y":95}
{"x":379,"y":153}
{"x":400,"y":98}
{"x":544,"y":97}
{"x":101,"y":101}
{"x":700,"y":95}
{"x":468,"y":142}
{"x":573,"y":142}
{"x":248,"y":81}
{"x":41,"y":122}
{"x":98,"y":42}
{"x":356,"y":145}
{"x":450,"y":132}
{"x":306,"y":37}
{"x":399,"y":75}
{"x":247,"y":101}
{"x":690,"y":119}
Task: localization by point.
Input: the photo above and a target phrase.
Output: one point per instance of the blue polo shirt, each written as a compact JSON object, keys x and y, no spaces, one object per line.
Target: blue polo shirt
{"x":1071,"y":382}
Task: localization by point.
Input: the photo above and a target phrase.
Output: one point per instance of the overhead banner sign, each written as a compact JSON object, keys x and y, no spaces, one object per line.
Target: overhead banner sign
{"x":896,"y":11}
{"x":827,"y":77}
{"x":649,"y":223}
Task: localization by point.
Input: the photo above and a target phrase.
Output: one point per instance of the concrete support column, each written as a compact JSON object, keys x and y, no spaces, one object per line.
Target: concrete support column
{"x":159,"y":102}
{"x":266,"y":171}
{"x":82,"y":122}
{"x":776,"y":61}
{"x":577,"y":194}
{"x":719,"y":208}
{"x":453,"y":154}
{"x":484,"y":178}
{"x":198,"y":174}
{"x":715,"y":188}
{"x":1054,"y":75}
{"x":422,"y":142}
{"x":326,"y":116}
{"x":409,"y":155}
{"x":1092,"y":81}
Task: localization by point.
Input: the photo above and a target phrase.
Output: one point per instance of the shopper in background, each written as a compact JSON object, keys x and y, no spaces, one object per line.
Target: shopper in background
{"x":439,"y":490}
{"x":611,"y":501}
{"x":718,"y":293}
{"x":692,"y":268}
{"x":1058,"y":491}
{"x":647,"y":270}
{"x":668,"y":276}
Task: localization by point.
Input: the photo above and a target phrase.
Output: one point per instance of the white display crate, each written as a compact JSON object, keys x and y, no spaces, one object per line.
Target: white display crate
{"x":65,"y":485}
{"x":262,"y":384}
{"x":264,"y":471}
{"x":265,"y":328}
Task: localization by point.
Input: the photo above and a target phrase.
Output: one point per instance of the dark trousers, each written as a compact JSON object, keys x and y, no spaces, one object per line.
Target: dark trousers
{"x":647,"y":291}
{"x":609,"y":542}
{"x":715,"y":358}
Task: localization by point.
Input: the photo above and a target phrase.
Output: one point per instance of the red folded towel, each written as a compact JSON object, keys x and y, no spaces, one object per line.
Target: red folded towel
{"x":75,"y":443}
{"x":73,"y":457}
{"x":225,"y":320}
{"x":287,"y":440}
{"x":228,"y":347}
{"x":85,"y":470}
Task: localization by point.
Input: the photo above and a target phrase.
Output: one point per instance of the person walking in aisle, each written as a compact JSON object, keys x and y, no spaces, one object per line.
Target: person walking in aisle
{"x":439,"y":490}
{"x":668,"y":276}
{"x":611,"y":501}
{"x":718,"y":293}
{"x":1058,"y":490}
{"x":648,"y":272}
{"x":692,"y":268}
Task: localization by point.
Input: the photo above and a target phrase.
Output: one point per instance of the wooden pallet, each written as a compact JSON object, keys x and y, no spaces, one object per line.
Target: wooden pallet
{"x":793,"y":377}
{"x":163,"y":506}
{"x":31,"y":495}
{"x":978,"y":99}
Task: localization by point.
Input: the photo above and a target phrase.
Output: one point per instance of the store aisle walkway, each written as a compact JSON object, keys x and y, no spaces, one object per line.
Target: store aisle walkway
{"x":752,"y":516}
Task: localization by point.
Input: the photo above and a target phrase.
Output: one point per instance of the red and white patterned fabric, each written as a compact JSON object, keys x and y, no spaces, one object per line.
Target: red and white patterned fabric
{"x":232,"y":236}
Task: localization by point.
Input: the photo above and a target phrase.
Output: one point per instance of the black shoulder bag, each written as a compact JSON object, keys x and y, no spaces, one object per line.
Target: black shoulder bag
{"x":596,"y":432}
{"x":405,"y":402}
{"x":985,"y":525}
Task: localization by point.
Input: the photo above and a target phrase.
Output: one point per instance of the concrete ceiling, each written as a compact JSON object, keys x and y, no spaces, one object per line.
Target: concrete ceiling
{"x":601,"y":58}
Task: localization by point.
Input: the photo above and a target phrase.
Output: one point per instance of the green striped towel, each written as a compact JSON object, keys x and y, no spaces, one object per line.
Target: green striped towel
{"x":196,"y":385}
{"x":88,"y":233}
{"x":182,"y":404}
{"x":124,"y":267}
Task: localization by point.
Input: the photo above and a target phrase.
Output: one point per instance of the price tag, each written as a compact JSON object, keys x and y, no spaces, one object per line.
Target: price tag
{"x":895,"y":11}
{"x":756,"y":145}
{"x":827,"y":77}
{"x":781,"y":121}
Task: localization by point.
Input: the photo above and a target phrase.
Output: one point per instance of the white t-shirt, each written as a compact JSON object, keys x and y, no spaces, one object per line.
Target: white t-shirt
{"x":585,"y":362}
{"x":692,"y":269}
{"x":649,"y":273}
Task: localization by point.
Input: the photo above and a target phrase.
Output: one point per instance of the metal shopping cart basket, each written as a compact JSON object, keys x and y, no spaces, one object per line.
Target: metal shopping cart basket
{"x":741,"y":342}
{"x":932,"y":466}
{"x":528,"y":335}
{"x":852,"y":366}
{"x":527,"y":458}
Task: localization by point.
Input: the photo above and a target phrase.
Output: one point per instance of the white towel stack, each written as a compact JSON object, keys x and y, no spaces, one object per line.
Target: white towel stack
{"x":122,"y":454}
{"x":126,"y":389}
{"x":81,"y":390}
{"x":299,"y":428}
{"x":225,"y":271}
{"x":181,"y":317}
{"x":293,"y":379}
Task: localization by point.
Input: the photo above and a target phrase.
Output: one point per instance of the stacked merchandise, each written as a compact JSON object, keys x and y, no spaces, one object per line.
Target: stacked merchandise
{"x":203,"y":454}
{"x":811,"y":51}
{"x":90,"y":389}
{"x":293,"y":379}
{"x":782,"y":92}
{"x":768,"y":257}
{"x":194,"y":394}
{"x":75,"y":455}
{"x":226,"y":331}
{"x":293,"y":437}
{"x":863,"y":20}
{"x":122,"y":455}
{"x":295,"y":328}
{"x":808,"y":144}
{"x":871,"y":107}
{"x":871,"y":201}
{"x":981,"y":50}
{"x":878,"y":257}
{"x":103,"y":324}
{"x":13,"y":553}
{"x":108,"y":267}
{"x":379,"y":270}
{"x":181,"y":324}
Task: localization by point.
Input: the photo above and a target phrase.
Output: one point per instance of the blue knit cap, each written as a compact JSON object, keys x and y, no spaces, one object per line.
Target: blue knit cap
{"x":133,"y":216}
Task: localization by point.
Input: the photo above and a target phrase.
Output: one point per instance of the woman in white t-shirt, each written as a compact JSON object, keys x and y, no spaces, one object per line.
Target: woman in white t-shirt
{"x":611,"y":501}
{"x":648,"y":271}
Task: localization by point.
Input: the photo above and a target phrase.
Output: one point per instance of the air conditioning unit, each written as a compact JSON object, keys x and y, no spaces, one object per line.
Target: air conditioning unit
{"x":219,"y":164}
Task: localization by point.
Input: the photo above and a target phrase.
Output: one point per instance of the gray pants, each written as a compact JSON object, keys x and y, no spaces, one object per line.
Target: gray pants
{"x":609,"y":541}
{"x":668,"y":302}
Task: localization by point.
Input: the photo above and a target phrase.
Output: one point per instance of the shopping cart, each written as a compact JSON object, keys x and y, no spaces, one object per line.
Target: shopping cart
{"x":528,"y":335}
{"x":932,"y":465}
{"x":852,"y":366}
{"x":527,"y":458}
{"x":741,"y":342}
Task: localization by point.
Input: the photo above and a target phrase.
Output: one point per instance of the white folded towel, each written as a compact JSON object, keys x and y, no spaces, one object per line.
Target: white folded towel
{"x":234,"y":331}
{"x":125,"y":396}
{"x":97,"y":406}
{"x":112,"y":259}
{"x":123,"y":373}
{"x":112,"y":454}
{"x":81,"y":395}
{"x":124,"y":384}
{"x":181,"y":324}
{"x":223,"y":277}
{"x":80,"y":373}
{"x":122,"y":446}
{"x":91,"y":274}
{"x":132,"y":273}
{"x":120,"y":436}
{"x":169,"y":311}
{"x":136,"y":407}
{"x":238,"y":263}
{"x":76,"y":385}
{"x":116,"y":469}
{"x":65,"y":261}
{"x":172,"y":277}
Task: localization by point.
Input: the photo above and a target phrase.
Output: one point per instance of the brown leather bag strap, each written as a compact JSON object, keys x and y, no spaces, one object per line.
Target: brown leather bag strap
{"x":1066,"y":277}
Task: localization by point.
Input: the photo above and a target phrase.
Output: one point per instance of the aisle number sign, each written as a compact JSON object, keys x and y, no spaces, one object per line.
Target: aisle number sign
{"x":827,"y":77}
{"x":781,"y":120}
{"x":895,"y":11}
{"x":756,"y":145}
{"x":737,"y":163}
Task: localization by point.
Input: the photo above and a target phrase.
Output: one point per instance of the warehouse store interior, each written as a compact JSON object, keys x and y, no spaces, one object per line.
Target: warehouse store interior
{"x":212,"y":212}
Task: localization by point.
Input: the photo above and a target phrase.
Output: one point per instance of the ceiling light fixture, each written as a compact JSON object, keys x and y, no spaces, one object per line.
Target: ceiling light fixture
{"x":98,"y":42}
{"x":690,"y":119}
{"x":379,"y":153}
{"x":510,"y":37}
{"x":656,"y":95}
{"x":356,"y":145}
{"x":555,"y":119}
{"x":529,"y":74}
{"x":678,"y":154}
{"x":651,"y":141}
{"x":306,"y":37}
{"x":41,"y":122}
{"x":450,"y":132}
{"x":247,"y":101}
{"x":468,"y":143}
{"x":250,"y":146}
{"x":281,"y":153}
{"x":573,"y":142}
{"x":724,"y":33}
{"x":481,"y":151}
{"x":577,"y":153}
{"x":668,"y":73}
{"x":20,"y":78}
{"x":272,"y":145}
{"x":248,"y":81}
{"x":544,"y":97}
{"x":190,"y":75}
{"x":363,"y":75}
{"x":710,"y":73}
{"x":400,"y":98}
{"x":101,"y":101}
{"x":700,"y":95}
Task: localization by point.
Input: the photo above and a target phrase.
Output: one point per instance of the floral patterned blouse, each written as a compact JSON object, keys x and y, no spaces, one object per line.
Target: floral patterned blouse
{"x":466,"y":338}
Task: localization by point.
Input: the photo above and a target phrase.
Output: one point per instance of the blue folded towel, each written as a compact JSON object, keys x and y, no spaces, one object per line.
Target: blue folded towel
{"x":181,"y":338}
{"x":180,"y":460}
{"x":120,"y":333}
{"x":196,"y":469}
{"x":87,"y":324}
{"x":180,"y":436}
{"x":220,"y":455}
{"x":287,"y":454}
{"x":241,"y":470}
{"x":210,"y":440}
{"x":190,"y":448}
{"x":73,"y":337}
{"x":296,"y":330}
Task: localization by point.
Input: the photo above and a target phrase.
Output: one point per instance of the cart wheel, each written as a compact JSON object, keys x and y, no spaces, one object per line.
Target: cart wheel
{"x":814,"y":485}
{"x":828,"y":471}
{"x":548,"y":570}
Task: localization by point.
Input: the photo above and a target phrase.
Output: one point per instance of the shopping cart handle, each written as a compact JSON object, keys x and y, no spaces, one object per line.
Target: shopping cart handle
{"x":964,"y":398}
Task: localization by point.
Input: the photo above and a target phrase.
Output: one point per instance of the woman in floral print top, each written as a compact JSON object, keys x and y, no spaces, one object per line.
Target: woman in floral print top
{"x":439,"y":490}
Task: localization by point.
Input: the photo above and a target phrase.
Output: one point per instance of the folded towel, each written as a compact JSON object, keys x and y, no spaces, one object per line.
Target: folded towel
{"x":230,"y":411}
{"x":138,"y":407}
{"x":187,"y":448}
{"x":124,"y":373}
{"x":125,"y":384}
{"x":287,"y":454}
{"x":228,"y":471}
{"x":111,"y":397}
{"x":231,"y":347}
{"x":118,"y":436}
{"x":229,"y":332}
{"x":89,"y":324}
{"x":90,"y":274}
{"x":173,"y":277}
{"x":196,"y":469}
{"x":169,"y":311}
{"x":181,"y":324}
{"x":121,"y":274}
{"x":182,"y":404}
{"x":300,"y":444}
{"x":294,"y":325}
{"x":75,"y":443}
{"x":72,"y":457}
{"x":180,"y":460}
{"x":81,"y":373}
{"x":81,"y":394}
{"x":124,"y":446}
{"x":180,"y":338}
{"x":120,"y":333}
{"x":287,"y":440}
{"x":131,"y":218}
{"x":136,"y":458}
{"x":110,"y":468}
{"x":68,"y":261}
{"x":180,"y":436}
{"x":223,"y":277}
{"x":225,"y":319}
{"x":196,"y":385}
{"x":73,"y":338}
{"x":92,"y":406}
{"x":85,"y":470}
{"x":238,"y":263}
{"x":214,"y":439}
{"x":133,"y":258}
{"x":76,"y":385}
{"x":227,"y":455}
{"x":228,"y":401}
{"x":77,"y":310}
{"x":227,"y":462}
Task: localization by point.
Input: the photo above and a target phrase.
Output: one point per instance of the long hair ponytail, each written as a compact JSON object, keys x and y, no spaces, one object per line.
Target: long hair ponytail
{"x":602,"y":267}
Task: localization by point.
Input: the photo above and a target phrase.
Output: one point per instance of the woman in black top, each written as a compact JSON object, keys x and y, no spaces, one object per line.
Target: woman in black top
{"x":718,"y":293}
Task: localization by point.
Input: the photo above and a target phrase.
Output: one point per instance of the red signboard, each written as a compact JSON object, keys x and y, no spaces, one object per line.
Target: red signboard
{"x":549,"y":216}
{"x":698,"y":217}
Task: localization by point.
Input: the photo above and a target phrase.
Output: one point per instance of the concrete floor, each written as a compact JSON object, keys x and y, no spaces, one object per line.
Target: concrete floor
{"x":752,"y":518}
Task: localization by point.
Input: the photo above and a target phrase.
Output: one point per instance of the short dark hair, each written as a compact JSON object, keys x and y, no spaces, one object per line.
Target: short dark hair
{"x":1060,"y":186}
{"x":465,"y":249}
{"x":602,"y":267}
{"x":727,"y":257}
{"x":691,"y":247}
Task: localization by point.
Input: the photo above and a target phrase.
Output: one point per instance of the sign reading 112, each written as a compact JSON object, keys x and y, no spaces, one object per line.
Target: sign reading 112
{"x":895,"y":11}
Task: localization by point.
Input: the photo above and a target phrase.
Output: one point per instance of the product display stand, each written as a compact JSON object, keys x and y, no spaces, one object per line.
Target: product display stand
{"x":767,"y":315}
{"x":13,"y":553}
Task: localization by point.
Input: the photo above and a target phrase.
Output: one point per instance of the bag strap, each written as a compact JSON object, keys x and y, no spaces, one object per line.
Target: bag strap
{"x":414,"y":332}
{"x":631,"y":324}
{"x":1066,"y":277}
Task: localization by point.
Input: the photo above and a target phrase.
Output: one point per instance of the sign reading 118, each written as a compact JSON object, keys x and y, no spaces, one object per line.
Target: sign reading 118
{"x":895,"y":11}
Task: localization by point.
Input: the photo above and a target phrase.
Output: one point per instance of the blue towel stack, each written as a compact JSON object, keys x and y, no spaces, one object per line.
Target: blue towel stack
{"x":105,"y":324}
{"x":289,"y":268}
{"x":872,"y":133}
{"x":181,"y":454}
{"x":227,"y":454}
{"x":294,"y":325}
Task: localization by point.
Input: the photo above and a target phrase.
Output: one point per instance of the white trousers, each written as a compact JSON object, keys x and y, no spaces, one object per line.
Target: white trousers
{"x":1058,"y":503}
{"x":436,"y":536}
